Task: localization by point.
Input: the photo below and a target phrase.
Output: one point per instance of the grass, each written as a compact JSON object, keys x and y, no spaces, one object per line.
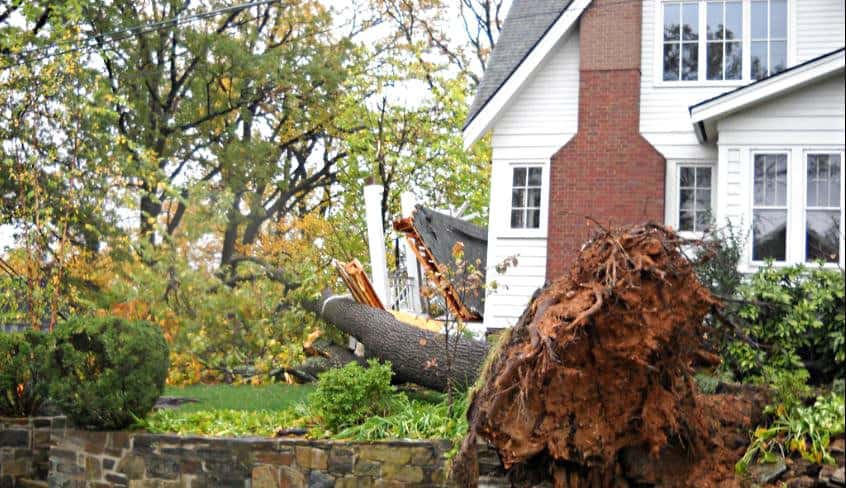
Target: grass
{"x":274,"y":397}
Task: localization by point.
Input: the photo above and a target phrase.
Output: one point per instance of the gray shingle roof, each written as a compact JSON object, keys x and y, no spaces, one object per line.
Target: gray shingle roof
{"x":440,"y":232}
{"x":525,"y":25}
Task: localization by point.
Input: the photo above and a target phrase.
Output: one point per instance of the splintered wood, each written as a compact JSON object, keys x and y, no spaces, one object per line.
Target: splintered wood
{"x":430,"y":267}
{"x":355,"y":278}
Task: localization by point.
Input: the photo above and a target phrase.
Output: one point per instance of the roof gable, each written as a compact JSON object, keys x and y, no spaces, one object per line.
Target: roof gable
{"x":705,"y":114}
{"x":532,"y":28}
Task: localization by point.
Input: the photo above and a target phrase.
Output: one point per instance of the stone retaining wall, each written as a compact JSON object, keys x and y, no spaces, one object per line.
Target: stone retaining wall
{"x":24,"y":447}
{"x":94,"y":459}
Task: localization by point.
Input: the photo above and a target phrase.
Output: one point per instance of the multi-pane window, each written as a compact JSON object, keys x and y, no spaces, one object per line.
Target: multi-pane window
{"x":694,"y":198}
{"x":681,"y":40}
{"x":526,"y":187}
{"x":769,"y":37}
{"x":822,"y":219}
{"x":724,"y":40}
{"x":769,"y":209}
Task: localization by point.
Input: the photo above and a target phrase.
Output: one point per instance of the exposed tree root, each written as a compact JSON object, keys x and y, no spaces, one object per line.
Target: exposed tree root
{"x":599,"y":368}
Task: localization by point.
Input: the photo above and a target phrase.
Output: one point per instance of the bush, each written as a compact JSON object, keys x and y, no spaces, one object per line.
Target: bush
{"x":23,"y":373}
{"x":107,"y":371}
{"x":346,"y":396}
{"x":796,"y":315}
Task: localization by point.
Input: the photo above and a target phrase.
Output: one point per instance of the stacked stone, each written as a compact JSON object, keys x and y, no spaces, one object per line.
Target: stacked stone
{"x":95,"y":459}
{"x":24,"y":448}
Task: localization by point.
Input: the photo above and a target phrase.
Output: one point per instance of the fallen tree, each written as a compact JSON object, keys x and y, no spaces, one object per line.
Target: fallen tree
{"x":594,"y":386}
{"x":417,"y":355}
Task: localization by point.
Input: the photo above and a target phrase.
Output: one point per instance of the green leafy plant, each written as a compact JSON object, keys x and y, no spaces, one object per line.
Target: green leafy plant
{"x":413,"y":419}
{"x":107,"y":371}
{"x":346,"y":396}
{"x":24,"y":378}
{"x":795,"y":316}
{"x":805,"y":431}
{"x":220,"y":423}
{"x":790,"y":387}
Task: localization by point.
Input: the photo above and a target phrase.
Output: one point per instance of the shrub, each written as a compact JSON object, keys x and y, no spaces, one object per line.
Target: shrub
{"x":796,"y":315}
{"x":346,"y":396}
{"x":107,"y":371}
{"x":805,"y":431}
{"x":23,"y":372}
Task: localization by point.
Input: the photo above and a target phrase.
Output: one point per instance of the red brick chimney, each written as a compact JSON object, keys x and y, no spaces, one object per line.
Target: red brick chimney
{"x":608,"y":171}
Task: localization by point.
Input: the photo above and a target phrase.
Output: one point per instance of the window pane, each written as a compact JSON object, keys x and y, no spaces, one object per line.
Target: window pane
{"x":759,"y":20}
{"x":519,"y":177}
{"x":703,"y":178}
{"x":686,"y":199}
{"x":690,"y":17}
{"x":778,"y":19}
{"x":685,"y":220}
{"x":517,"y":219}
{"x":534,"y":197}
{"x":760,"y":182}
{"x":671,"y":62}
{"x":769,"y":235}
{"x":715,"y":60}
{"x":671,"y":21}
{"x":518,"y":198}
{"x":686,"y":177}
{"x":734,"y":61}
{"x":813,"y":179}
{"x":715,"y":20}
{"x":822,"y":236}
{"x":703,"y":200}
{"x":535,"y":176}
{"x":690,"y":67}
{"x":703,"y":220}
{"x":533,"y":219}
{"x":778,"y":56}
{"x":734,"y":20}
{"x":759,"y":60}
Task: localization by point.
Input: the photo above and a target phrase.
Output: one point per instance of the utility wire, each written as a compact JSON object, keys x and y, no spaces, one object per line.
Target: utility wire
{"x":100,"y":41}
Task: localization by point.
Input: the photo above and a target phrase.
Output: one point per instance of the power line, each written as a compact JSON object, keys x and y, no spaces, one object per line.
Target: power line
{"x":99,"y":41}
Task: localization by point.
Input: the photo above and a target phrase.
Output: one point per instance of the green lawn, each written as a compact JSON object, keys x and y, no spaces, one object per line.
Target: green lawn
{"x":240,"y":397}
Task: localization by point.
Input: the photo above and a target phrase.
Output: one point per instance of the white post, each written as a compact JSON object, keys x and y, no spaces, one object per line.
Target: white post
{"x":376,"y":241}
{"x":408,"y":202}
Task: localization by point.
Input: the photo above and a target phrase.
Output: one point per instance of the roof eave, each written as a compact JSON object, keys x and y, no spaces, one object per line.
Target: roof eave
{"x":706,"y":113}
{"x":487,"y":116}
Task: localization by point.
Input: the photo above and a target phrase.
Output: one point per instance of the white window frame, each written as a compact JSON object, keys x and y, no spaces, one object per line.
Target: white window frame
{"x":804,"y":203}
{"x":505,"y":229}
{"x":674,"y":204}
{"x":769,"y":39}
{"x":746,"y":78}
{"x":789,"y":207}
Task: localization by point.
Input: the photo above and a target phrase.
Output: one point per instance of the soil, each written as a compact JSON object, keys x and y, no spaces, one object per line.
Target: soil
{"x":594,"y":385}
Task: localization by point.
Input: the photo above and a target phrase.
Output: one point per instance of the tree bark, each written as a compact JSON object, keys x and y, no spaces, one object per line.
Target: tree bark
{"x":416,"y":355}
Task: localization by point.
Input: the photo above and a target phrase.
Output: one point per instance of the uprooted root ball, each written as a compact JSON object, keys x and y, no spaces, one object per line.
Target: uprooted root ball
{"x":600,"y":363}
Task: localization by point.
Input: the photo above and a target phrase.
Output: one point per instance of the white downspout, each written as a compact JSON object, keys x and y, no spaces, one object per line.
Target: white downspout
{"x":376,"y":241}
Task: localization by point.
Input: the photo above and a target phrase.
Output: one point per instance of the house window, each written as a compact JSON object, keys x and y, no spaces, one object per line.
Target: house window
{"x":681,"y":41}
{"x":769,"y":37}
{"x":526,"y":185}
{"x":695,"y":190}
{"x":724,"y":40}
{"x":822,"y":218}
{"x":769,"y":209}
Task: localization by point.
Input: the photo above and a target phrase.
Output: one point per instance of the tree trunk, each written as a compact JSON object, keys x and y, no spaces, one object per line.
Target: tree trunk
{"x":416,"y":355}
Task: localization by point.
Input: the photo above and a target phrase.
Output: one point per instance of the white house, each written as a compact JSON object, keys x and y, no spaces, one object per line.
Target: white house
{"x":683,"y":111}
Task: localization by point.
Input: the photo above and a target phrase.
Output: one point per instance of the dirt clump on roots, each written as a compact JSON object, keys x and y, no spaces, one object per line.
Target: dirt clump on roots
{"x":594,"y":385}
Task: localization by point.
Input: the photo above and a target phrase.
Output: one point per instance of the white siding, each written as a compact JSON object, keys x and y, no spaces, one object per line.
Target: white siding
{"x":541,"y":119}
{"x":810,"y":119}
{"x":819,"y":27}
